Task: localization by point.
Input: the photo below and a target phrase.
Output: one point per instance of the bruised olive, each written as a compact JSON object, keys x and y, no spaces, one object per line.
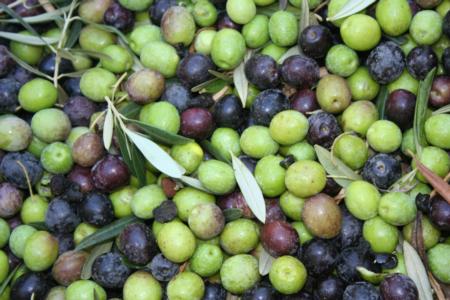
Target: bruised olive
{"x":11,"y":200}
{"x":68,"y":267}
{"x":87,"y":149}
{"x":322,"y":216}
{"x":145,"y":86}
{"x":440,"y":91}
{"x":279,"y":238}
{"x":110,"y":173}
{"x":118,"y":16}
{"x":194,"y":69}
{"x":137,"y":243}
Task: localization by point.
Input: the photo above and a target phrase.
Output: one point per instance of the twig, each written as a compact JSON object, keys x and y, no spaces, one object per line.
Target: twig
{"x":48,"y":6}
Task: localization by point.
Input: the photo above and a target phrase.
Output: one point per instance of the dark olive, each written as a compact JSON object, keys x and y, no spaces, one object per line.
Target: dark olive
{"x":82,"y":177}
{"x":386,"y":62}
{"x":273,"y":211}
{"x":330,"y":288}
{"x":279,"y":238}
{"x":400,"y":108}
{"x":72,"y":86}
{"x":304,"y":101}
{"x":61,"y":217}
{"x":420,"y":61}
{"x":96,"y":209}
{"x":194,"y":69}
{"x":158,"y":9}
{"x":446,"y":61}
{"x":315,"y":41}
{"x":319,"y":257}
{"x":262,"y":71}
{"x":162,"y":268}
{"x":440,"y":213}
{"x":9,"y":89}
{"x":267,"y":104}
{"x":224,"y":21}
{"x":235,"y":200}
{"x":29,"y":8}
{"x":110,"y":271}
{"x":178,"y":95}
{"x":15,"y":164}
{"x":332,"y":188}
{"x":137,"y":243}
{"x":204,"y":100}
{"x":214,"y":291}
{"x":30,"y":284}
{"x":323,"y":129}
{"x":6,"y":62}
{"x":440,"y":91}
{"x":197,"y":123}
{"x":48,"y":63}
{"x":165,"y":212}
{"x":67,"y":268}
{"x":110,"y":173}
{"x":398,"y":287}
{"x":228,"y":112}
{"x":446,"y":24}
{"x":79,"y":109}
{"x":382,"y":170}
{"x":300,"y":71}
{"x":11,"y":199}
{"x":322,"y":216}
{"x":351,"y":230}
{"x":119,"y":17}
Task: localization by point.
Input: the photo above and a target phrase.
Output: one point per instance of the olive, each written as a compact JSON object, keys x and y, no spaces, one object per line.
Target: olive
{"x":28,"y":8}
{"x":235,"y":200}
{"x":87,"y":149}
{"x":267,"y":104}
{"x":67,"y":268}
{"x":110,"y":173}
{"x":323,"y":129}
{"x":351,"y":230}
{"x":197,"y":123}
{"x":400,"y":108}
{"x":158,"y":9}
{"x":61,"y":217}
{"x":398,"y":287}
{"x":96,"y":209}
{"x":420,"y":61}
{"x":11,"y":200}
{"x":279,"y":238}
{"x":224,"y":21}
{"x":30,"y":284}
{"x":304,"y":101}
{"x":6,"y":61}
{"x":351,"y":258}
{"x":65,"y":242}
{"x":82,"y":177}
{"x":300,"y":71}
{"x":48,"y":63}
{"x":119,"y":17}
{"x":440,"y":91}
{"x":273,"y":211}
{"x":361,"y":290}
{"x":79,"y":109}
{"x":162,"y":268}
{"x":9,"y":90}
{"x":262,"y":71}
{"x":322,"y":216}
{"x":440,"y":213}
{"x":194,"y":69}
{"x":315,"y":41}
{"x":109,"y":270}
{"x":214,"y":291}
{"x":13,"y":172}
{"x":228,"y":112}
{"x":330,"y":288}
{"x":382,"y":170}
{"x":386,"y":62}
{"x":319,"y":257}
{"x":332,"y":188}
{"x":178,"y":95}
{"x":137,"y":243}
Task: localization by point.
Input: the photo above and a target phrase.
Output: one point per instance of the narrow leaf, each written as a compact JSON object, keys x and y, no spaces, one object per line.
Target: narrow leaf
{"x":193,"y":182}
{"x":211,"y":149}
{"x":241,"y":82}
{"x":108,"y":127}
{"x":8,"y":279}
{"x":283,"y":4}
{"x":417,"y":272}
{"x":125,"y":150}
{"x":220,"y":75}
{"x":38,"y":225}
{"x":439,"y":184}
{"x":159,"y":158}
{"x":372,"y":277}
{"x":399,"y":40}
{"x":232,"y":214}
{"x":421,"y":110}
{"x":295,"y":50}
{"x":136,"y":161}
{"x":28,"y":39}
{"x":41,"y":18}
{"x":265,"y":262}
{"x":381,"y":101}
{"x":406,"y":183}
{"x":249,"y":188}
{"x":130,"y":110}
{"x":74,"y":34}
{"x":304,"y":19}
{"x":204,"y":85}
{"x":28,"y":67}
{"x":161,"y":136}
{"x":273,"y":8}
{"x":443,"y":110}
{"x":350,"y":8}
{"x":106,"y":233}
{"x":86,"y":272}
{"x":335,"y":167}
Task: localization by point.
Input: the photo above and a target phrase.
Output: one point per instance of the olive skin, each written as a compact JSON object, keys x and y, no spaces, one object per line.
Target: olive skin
{"x":228,"y":112}
{"x":13,"y":172}
{"x":61,"y":217}
{"x":194,"y":69}
{"x":440,"y":91}
{"x":420,"y":61}
{"x":110,"y":271}
{"x":158,"y":9}
{"x":279,"y":238}
{"x":119,"y":17}
{"x":96,"y":209}
{"x":323,"y":129}
{"x":319,"y":257}
{"x":330,"y":288}
{"x":28,"y":284}
{"x":82,"y":177}
{"x":110,"y":173}
{"x":137,"y":243}
{"x":304,"y":101}
{"x":386,"y":62}
{"x":197,"y":123}
{"x":67,"y":268}
{"x":400,"y":108}
{"x":398,"y":287}
{"x":382,"y":170}
{"x":267,"y":104}
{"x":262,"y":71}
{"x":79,"y":109}
{"x":300,"y":71}
{"x":440,"y":213}
{"x":315,"y":41}
{"x":48,"y":63}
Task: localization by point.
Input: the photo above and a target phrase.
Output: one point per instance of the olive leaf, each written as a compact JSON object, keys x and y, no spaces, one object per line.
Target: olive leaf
{"x":220,"y":75}
{"x":350,"y":8}
{"x":41,"y":18}
{"x":283,"y":4}
{"x":369,"y":276}
{"x":214,"y":151}
{"x":249,"y":188}
{"x":406,"y":183}
{"x":240,"y":80}
{"x":98,"y":250}
{"x":130,"y":110}
{"x":106,"y":233}
{"x":381,"y":102}
{"x":399,"y":40}
{"x":265,"y":262}
{"x":74,"y":34}
{"x":417,"y":272}
{"x":159,"y":158}
{"x":28,"y":39}
{"x":420,"y":111}
{"x":443,"y":110}
{"x":28,"y":67}
{"x":8,"y":279}
{"x":269,"y":10}
{"x":295,"y":50}
{"x":232,"y":214}
{"x":161,"y":136}
{"x":194,"y":182}
{"x":304,"y":18}
{"x":341,"y":173}
{"x":108,"y":127}
{"x":94,"y":54}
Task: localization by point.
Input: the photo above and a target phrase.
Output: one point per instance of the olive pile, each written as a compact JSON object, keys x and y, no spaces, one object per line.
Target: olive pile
{"x":123,"y":123}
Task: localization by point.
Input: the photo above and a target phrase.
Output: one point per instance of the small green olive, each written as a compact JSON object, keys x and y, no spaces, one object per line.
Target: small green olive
{"x":288,"y":127}
{"x":404,"y":82}
{"x":34,"y":209}
{"x":93,"y":38}
{"x":257,"y":142}
{"x":186,"y":286}
{"x":287,"y":275}
{"x":352,"y":150}
{"x":178,"y":26}
{"x":142,"y":286}
{"x":104,"y":81}
{"x":121,"y":201}
{"x":397,"y":208}
{"x":384,"y":136}
{"x":217,"y":176}
{"x":41,"y":251}
{"x":437,"y":130}
{"x":160,"y":56}
{"x":188,"y":155}
{"x":394,"y":16}
{"x":188,"y":198}
{"x":382,"y":236}
{"x":117,"y":59}
{"x":362,"y":199}
{"x":362,"y":85}
{"x":292,"y":206}
{"x":430,"y":233}
{"x":176,"y":241}
{"x":85,"y":290}
{"x":37,"y":94}
{"x":226,"y":140}
{"x":239,"y":273}
{"x":256,"y":32}
{"x":305,"y":178}
{"x":5,"y":232}
{"x":283,"y":28}
{"x":142,"y":35}
{"x":15,"y":133}
{"x":146,"y":199}
{"x":207,"y":260}
{"x":228,"y":48}
{"x":203,"y":41}
{"x":426,"y":27}
{"x":439,"y":262}
{"x":435,"y":159}
{"x":271,"y":183}
{"x":239,"y":236}
{"x":241,"y":11}
{"x":19,"y":237}
{"x":30,"y":54}
{"x":360,"y":32}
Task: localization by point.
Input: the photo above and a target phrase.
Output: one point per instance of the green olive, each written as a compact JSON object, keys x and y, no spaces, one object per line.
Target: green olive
{"x":176,"y":241}
{"x":217,"y":176}
{"x":271,"y":183}
{"x":41,"y":251}
{"x":283,"y":28}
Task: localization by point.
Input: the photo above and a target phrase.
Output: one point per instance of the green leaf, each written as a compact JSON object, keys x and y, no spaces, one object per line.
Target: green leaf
{"x":304,"y":18}
{"x":130,"y":110}
{"x":28,"y":39}
{"x":8,"y":279}
{"x":132,"y":157}
{"x":417,"y":272}
{"x":443,"y":110}
{"x":28,"y":67}
{"x":240,"y":80}
{"x":161,"y":136}
{"x":221,"y":75}
{"x":108,"y":128}
{"x":399,"y":40}
{"x":41,"y":18}
{"x":249,"y":188}
{"x":94,"y":54}
{"x":340,"y":172}
{"x":265,"y":262}
{"x":214,"y":151}
{"x":74,"y":34}
{"x":273,"y":8}
{"x":406,"y":183}
{"x":369,"y":276}
{"x":159,"y":158}
{"x":106,"y":233}
{"x":86,"y":272}
{"x":420,"y":112}
{"x":381,"y":102}
{"x":350,"y":8}
{"x":232,"y":214}
{"x":282,"y":4}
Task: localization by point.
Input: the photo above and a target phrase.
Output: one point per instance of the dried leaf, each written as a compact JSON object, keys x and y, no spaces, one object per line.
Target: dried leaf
{"x":381,"y":101}
{"x":295,"y":50}
{"x":28,"y":39}
{"x":439,"y":184}
{"x":161,"y":136}
{"x":232,"y":214}
{"x":406,"y":183}
{"x":108,"y":127}
{"x":86,"y":272}
{"x":193,"y":182}
{"x":8,"y":279}
{"x":350,"y":8}
{"x":106,"y":233}
{"x":214,"y":151}
{"x":159,"y":158}
{"x":340,"y":172}
{"x":370,"y":276}
{"x":420,"y":112}
{"x":240,"y":80}
{"x":265,"y":262}
{"x":304,"y":18}
{"x":416,"y":271}
{"x":249,"y":188}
